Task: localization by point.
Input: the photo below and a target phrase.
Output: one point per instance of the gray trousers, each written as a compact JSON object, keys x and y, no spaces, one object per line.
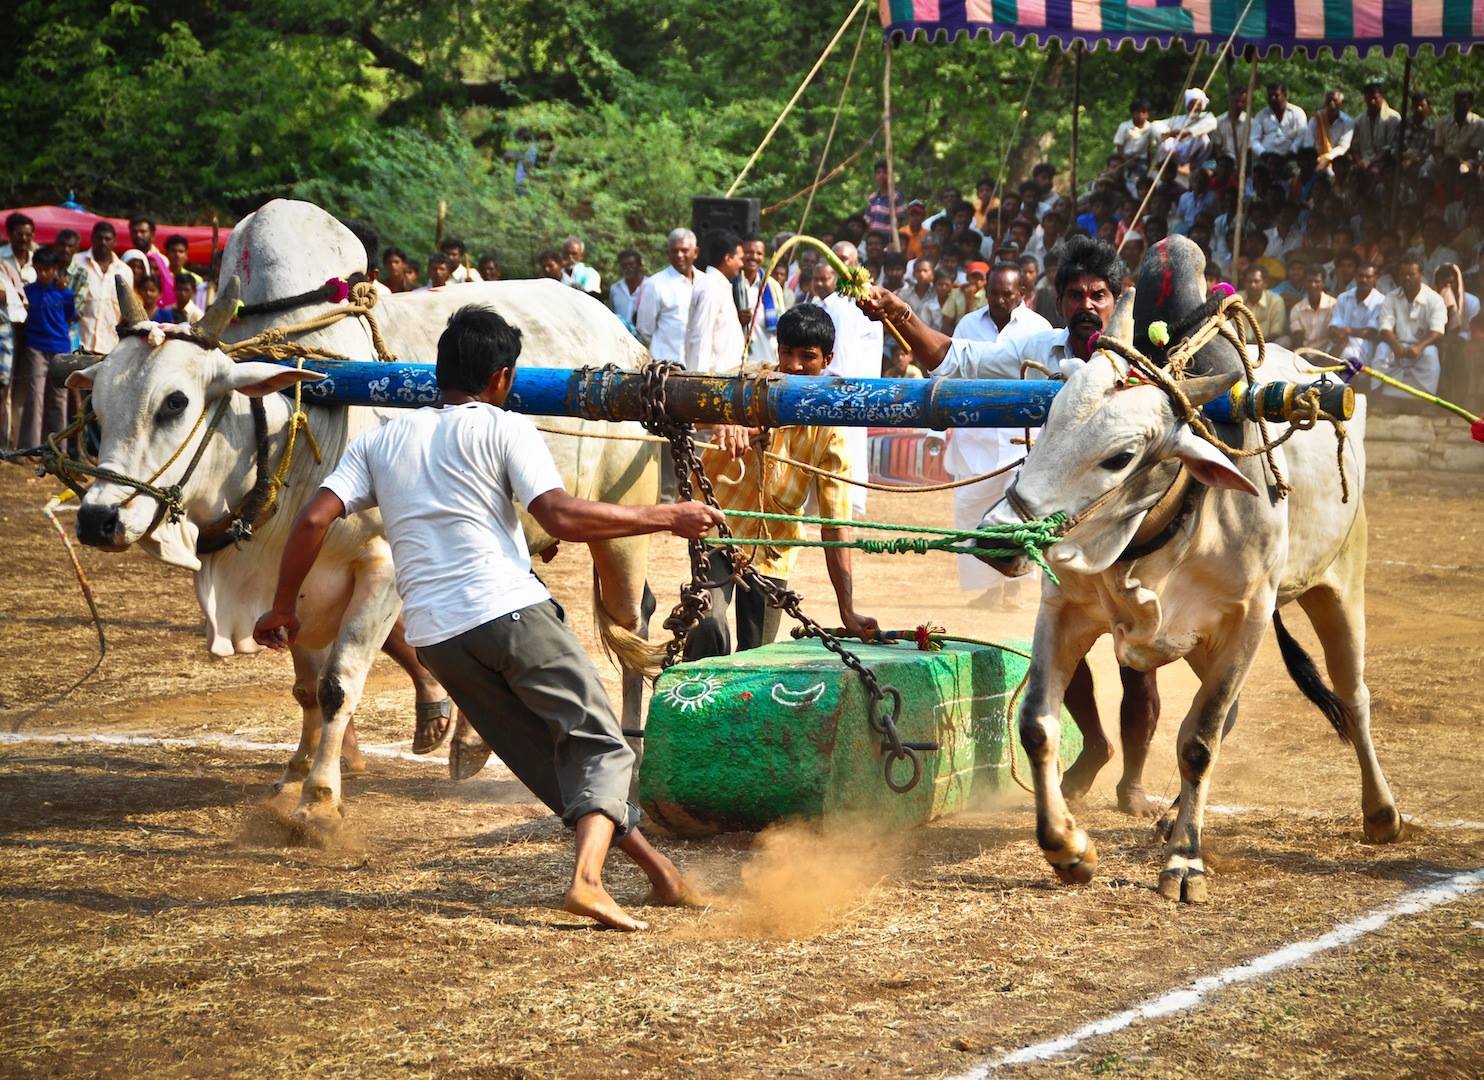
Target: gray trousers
{"x":533,"y":695}
{"x":43,"y":400}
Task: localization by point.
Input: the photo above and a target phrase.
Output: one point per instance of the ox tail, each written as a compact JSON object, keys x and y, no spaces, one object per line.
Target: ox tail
{"x":1302,"y":670}
{"x":628,"y":649}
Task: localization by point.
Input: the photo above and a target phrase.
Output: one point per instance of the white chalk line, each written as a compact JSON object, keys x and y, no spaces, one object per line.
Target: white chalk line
{"x":1189,"y":997}
{"x":220,"y":742}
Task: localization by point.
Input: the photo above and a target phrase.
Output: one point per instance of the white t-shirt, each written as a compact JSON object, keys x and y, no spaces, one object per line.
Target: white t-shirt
{"x":445,"y":480}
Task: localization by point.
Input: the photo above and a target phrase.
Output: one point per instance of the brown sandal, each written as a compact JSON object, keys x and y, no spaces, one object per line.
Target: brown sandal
{"x":467,"y":752}
{"x":432,"y":725}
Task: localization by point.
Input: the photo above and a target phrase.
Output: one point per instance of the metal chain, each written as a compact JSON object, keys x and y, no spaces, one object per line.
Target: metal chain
{"x":695,"y":598}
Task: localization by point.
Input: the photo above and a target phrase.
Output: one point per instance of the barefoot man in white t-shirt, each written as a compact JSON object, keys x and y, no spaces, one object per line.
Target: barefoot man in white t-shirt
{"x":446,"y":481}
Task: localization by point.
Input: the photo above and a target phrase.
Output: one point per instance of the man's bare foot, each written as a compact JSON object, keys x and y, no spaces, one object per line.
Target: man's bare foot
{"x":676,"y":891}
{"x":595,"y":903}
{"x":1133,"y":801}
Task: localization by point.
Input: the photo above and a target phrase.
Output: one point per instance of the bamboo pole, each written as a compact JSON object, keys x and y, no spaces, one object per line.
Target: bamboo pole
{"x":1396,"y":172}
{"x":891,"y":180}
{"x":1242,"y":152}
{"x":1076,"y":117}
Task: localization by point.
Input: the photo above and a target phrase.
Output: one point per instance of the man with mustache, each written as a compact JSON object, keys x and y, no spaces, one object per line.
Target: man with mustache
{"x":1089,"y":278}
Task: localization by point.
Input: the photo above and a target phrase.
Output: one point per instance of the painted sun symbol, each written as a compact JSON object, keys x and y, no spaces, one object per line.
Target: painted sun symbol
{"x":692,"y":695}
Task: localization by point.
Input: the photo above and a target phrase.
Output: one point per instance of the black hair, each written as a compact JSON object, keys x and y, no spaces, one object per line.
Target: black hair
{"x":894,"y":258}
{"x":476,"y":344}
{"x":393,"y":253}
{"x":142,"y":219}
{"x":880,"y":234}
{"x":451,"y":242}
{"x":68,"y":234}
{"x":1139,"y":103}
{"x":547,"y":254}
{"x":1373,"y":84}
{"x":439,"y":259}
{"x":626,"y":252}
{"x":753,"y":238}
{"x":1277,"y":84}
{"x":1407,"y":260}
{"x":16,"y":221}
{"x":807,"y":324}
{"x":1082,"y":256}
{"x":880,"y":164}
{"x":717,"y":245}
{"x":985,"y":181}
{"x":369,"y":239}
{"x":1044,"y":166}
{"x":103,"y":227}
{"x":151,"y":278}
{"x":188,"y":279}
{"x":176,"y":238}
{"x":47,"y":258}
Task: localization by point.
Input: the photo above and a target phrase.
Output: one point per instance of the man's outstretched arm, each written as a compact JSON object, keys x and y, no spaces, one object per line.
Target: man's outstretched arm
{"x":928,"y":346}
{"x":568,"y":518}
{"x":277,"y":628}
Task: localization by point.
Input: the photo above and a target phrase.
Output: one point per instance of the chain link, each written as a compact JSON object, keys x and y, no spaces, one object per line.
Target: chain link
{"x":695,"y":595}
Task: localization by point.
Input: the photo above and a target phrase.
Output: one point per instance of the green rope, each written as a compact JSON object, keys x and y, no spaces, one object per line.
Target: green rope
{"x":1028,"y":538}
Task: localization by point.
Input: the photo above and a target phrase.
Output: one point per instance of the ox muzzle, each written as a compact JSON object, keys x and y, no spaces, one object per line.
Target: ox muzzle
{"x":100,"y":527}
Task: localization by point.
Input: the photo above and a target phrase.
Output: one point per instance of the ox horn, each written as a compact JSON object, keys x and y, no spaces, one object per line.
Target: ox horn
{"x":1121,"y":322}
{"x":131,"y":311}
{"x":1203,"y":388}
{"x":220,"y":314}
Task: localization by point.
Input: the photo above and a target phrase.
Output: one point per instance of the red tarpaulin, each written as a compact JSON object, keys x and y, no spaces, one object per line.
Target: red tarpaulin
{"x":51,"y":220}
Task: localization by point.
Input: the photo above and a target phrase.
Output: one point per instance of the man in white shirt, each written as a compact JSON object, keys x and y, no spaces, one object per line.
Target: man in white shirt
{"x":1329,"y":132}
{"x":1309,"y":319}
{"x":1280,"y":128}
{"x":763,"y":299}
{"x":974,"y":451}
{"x":92,"y":280}
{"x":1355,"y":323}
{"x":446,"y":481}
{"x":623,"y":294}
{"x":1188,"y":136}
{"x":1226,"y":140}
{"x":664,"y":302}
{"x":1377,"y":130}
{"x":1432,"y":252}
{"x":577,"y":273}
{"x":1412,"y":323}
{"x":1460,"y":135}
{"x":713,"y":331}
{"x":1135,"y":137}
{"x":858,"y":346}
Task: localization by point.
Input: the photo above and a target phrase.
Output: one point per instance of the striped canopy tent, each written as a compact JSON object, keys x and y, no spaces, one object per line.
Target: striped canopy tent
{"x":1289,"y":26}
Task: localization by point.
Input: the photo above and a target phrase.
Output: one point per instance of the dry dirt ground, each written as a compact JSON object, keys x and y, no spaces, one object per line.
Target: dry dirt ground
{"x":156,"y":921}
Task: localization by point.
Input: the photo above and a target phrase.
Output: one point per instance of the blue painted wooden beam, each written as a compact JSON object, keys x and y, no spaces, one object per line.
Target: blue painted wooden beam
{"x":757,"y":401}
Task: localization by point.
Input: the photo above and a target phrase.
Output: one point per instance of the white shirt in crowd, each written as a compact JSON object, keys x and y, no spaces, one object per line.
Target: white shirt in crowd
{"x":761,"y":347}
{"x":463,"y":275}
{"x":972,"y":451}
{"x":1353,"y":313}
{"x":444,"y":480}
{"x":584,"y":277}
{"x":1341,"y":132}
{"x":858,"y":346}
{"x":663,"y":311}
{"x":1002,"y":359}
{"x":1412,"y":319}
{"x":1133,"y":142}
{"x":14,"y":277}
{"x":624,"y":300}
{"x":98,"y":312}
{"x":713,"y":333}
{"x":1307,"y":324}
{"x":1226,"y":139}
{"x":1279,"y":135}
{"x":1375,"y":135}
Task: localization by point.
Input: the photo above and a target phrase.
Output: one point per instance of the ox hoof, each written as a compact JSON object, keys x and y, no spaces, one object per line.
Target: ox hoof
{"x":466,"y":759}
{"x":318,"y":816}
{"x":1183,"y":884}
{"x":1075,"y":863}
{"x":1384,"y":826}
{"x":293,"y":773}
{"x":1133,"y":801}
{"x":353,"y":766}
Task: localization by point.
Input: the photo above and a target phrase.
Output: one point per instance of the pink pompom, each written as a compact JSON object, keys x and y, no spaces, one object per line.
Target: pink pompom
{"x":340,"y":289}
{"x":1092,"y":339}
{"x":1222,"y":289}
{"x":1476,"y":429}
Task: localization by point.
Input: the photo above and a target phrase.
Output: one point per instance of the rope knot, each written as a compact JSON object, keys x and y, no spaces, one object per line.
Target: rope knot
{"x":363,"y":294}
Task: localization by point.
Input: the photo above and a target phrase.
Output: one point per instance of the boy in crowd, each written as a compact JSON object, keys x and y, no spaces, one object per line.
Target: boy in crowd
{"x":806,"y":344}
{"x":446,"y":481}
{"x":440,"y":270}
{"x":51,"y":311}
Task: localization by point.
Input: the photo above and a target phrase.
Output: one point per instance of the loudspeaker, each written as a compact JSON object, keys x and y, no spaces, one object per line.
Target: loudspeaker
{"x":708,"y":212}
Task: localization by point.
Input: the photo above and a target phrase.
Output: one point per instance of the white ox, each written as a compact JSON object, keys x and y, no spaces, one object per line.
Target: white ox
{"x":148,"y":397}
{"x":1206,"y":595}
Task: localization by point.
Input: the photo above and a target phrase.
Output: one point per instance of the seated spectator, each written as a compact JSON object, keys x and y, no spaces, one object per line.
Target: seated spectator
{"x":1290,"y":289}
{"x":1053,"y":225}
{"x":920,"y":295}
{"x":894,"y":272}
{"x":875,"y":253}
{"x":1030,"y":272}
{"x":1355,"y":323}
{"x":1267,"y":309}
{"x":1432,"y":252}
{"x":1187,"y":136}
{"x":1200,"y":199}
{"x":440,"y":271}
{"x":1377,"y":130}
{"x":1329,"y":132}
{"x":1133,"y":249}
{"x":931,"y":251}
{"x":1043,"y":301}
{"x":984,"y":203}
{"x":1412,"y":324}
{"x":951,"y":304}
{"x":1044,"y":174}
{"x":1458,"y":354}
{"x":1459,"y":141}
{"x":1417,"y":143}
{"x":489,"y":268}
{"x":969,"y":246}
{"x":1280,"y":128}
{"x":1309,"y":319}
{"x":1135,"y":137}
{"x":1226,"y":140}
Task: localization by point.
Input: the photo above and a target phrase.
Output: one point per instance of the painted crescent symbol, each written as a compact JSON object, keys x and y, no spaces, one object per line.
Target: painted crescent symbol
{"x":797,"y":699}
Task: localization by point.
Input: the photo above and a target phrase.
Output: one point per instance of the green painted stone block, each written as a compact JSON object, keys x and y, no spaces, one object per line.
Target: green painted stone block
{"x":739,"y":742}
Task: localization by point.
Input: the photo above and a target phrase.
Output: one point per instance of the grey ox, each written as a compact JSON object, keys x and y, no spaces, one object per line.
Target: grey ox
{"x":1203,"y":589}
{"x":148,"y":398}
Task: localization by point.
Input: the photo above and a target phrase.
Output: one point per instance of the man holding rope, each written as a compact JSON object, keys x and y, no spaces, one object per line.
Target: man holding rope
{"x":1089,"y":277}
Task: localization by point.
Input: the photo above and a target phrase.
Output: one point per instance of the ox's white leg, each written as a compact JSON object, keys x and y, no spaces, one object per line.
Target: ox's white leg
{"x":368,"y":619}
{"x":1222,"y":673}
{"x":307,"y":665}
{"x":1062,"y":639}
{"x":620,"y":566}
{"x":1338,"y":614}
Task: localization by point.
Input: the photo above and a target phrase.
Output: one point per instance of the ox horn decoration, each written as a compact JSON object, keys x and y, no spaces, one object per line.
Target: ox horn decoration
{"x":131,"y":311}
{"x":220,"y":314}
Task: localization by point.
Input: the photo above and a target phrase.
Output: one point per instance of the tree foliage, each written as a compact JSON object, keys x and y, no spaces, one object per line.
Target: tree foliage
{"x":381,"y":110}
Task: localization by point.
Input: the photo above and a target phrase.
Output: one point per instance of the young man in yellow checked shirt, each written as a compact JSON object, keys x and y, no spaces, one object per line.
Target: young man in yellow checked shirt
{"x":745,"y":478}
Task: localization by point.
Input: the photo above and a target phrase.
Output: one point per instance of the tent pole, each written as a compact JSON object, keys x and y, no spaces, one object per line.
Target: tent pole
{"x":1242,"y":152}
{"x":1076,"y":116}
{"x":891,"y":177}
{"x":1396,"y":168}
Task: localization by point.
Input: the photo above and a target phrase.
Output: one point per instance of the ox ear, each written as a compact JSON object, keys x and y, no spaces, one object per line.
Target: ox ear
{"x":1121,"y":322}
{"x":82,"y":379}
{"x":257,"y":378}
{"x":1208,"y":464}
{"x":1201,"y":389}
